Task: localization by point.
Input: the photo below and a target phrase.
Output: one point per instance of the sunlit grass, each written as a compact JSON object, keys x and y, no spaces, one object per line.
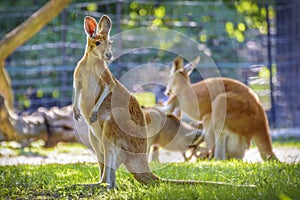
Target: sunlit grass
{"x":36,"y":148}
{"x":273,"y":180}
{"x":288,"y":142}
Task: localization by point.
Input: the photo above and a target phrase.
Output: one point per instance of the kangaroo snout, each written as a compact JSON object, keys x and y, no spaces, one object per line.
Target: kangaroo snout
{"x":108,"y":55}
{"x":167,"y":92}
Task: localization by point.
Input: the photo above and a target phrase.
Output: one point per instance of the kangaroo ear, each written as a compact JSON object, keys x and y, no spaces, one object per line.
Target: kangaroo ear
{"x":104,"y":25}
{"x":188,"y":68}
{"x":177,"y":64}
{"x":90,"y":25}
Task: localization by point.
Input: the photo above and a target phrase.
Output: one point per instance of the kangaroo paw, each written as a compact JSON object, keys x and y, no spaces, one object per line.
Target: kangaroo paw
{"x":76,"y":113}
{"x":93,"y":116}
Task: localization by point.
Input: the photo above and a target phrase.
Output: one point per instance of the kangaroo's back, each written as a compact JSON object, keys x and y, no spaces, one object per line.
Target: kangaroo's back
{"x":244,"y":115}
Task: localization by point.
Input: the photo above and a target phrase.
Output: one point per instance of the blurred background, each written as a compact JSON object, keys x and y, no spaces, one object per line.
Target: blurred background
{"x":254,"y":41}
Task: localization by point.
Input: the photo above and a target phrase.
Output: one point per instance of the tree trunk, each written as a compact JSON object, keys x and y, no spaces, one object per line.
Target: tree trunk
{"x":23,"y":129}
{"x":62,"y":127}
{"x":5,"y":87}
{"x":288,"y":63}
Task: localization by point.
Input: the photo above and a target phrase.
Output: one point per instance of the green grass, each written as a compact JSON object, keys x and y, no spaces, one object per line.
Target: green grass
{"x":273,"y":180}
{"x":287,"y":142}
{"x":37,"y":149}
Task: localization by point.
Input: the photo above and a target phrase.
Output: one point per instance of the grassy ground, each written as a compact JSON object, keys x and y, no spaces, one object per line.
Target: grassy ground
{"x":49,"y":181}
{"x":287,"y":142}
{"x":273,"y":180}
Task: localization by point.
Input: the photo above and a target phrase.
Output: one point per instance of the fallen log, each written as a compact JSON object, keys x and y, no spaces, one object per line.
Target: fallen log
{"x":52,"y":125}
{"x":23,"y":129}
{"x":62,"y":127}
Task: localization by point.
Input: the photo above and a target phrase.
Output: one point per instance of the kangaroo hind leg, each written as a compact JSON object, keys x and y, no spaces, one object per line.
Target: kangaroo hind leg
{"x":138,"y":166}
{"x":111,"y":157}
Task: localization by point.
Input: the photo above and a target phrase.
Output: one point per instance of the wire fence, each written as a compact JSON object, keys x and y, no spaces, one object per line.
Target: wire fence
{"x":41,"y":70}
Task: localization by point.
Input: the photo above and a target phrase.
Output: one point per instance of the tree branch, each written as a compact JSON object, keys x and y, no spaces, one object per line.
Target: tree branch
{"x":30,"y":27}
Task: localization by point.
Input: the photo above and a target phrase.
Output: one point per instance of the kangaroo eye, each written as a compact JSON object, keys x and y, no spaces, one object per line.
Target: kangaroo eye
{"x":97,"y":43}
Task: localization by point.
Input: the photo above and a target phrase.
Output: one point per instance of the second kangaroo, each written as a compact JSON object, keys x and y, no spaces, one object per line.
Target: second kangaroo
{"x":230,"y":112}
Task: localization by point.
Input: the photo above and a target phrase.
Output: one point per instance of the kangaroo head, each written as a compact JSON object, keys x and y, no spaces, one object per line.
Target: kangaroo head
{"x":179,"y":75}
{"x":98,"y":42}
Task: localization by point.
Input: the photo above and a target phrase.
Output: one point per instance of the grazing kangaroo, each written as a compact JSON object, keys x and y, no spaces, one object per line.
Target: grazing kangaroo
{"x":230,"y":112}
{"x":168,"y":132}
{"x":119,"y":135}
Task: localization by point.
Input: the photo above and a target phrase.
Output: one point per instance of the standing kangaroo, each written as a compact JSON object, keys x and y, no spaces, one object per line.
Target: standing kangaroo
{"x":230,"y":112}
{"x":119,"y":134}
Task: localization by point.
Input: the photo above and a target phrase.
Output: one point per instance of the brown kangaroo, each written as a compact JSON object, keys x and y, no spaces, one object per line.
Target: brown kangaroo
{"x":168,"y":132}
{"x":119,"y":135}
{"x":230,"y":112}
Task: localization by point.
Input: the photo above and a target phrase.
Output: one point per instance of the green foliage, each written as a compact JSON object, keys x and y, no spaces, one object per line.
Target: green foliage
{"x":218,"y":27}
{"x":261,"y":86}
{"x":222,"y":29}
{"x":207,"y":22}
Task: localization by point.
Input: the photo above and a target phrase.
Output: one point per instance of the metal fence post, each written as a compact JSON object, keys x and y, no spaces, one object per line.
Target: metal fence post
{"x":64,"y":76}
{"x":119,"y":38}
{"x":273,"y":109}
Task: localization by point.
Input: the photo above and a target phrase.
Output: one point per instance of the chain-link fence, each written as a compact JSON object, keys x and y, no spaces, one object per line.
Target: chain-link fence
{"x":236,"y":39}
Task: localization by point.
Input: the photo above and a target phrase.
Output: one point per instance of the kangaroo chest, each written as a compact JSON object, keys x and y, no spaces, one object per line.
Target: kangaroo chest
{"x":90,"y":92}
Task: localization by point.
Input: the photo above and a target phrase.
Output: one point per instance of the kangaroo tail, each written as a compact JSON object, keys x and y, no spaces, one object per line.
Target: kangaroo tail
{"x":194,"y":182}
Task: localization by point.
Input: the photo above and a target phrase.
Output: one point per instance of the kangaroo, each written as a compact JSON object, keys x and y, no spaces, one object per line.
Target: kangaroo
{"x":168,"y":132}
{"x":119,"y":134}
{"x":230,"y":112}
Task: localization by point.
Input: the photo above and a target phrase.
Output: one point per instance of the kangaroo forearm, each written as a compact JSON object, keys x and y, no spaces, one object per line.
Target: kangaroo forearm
{"x":76,"y":92}
{"x":100,"y":100}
